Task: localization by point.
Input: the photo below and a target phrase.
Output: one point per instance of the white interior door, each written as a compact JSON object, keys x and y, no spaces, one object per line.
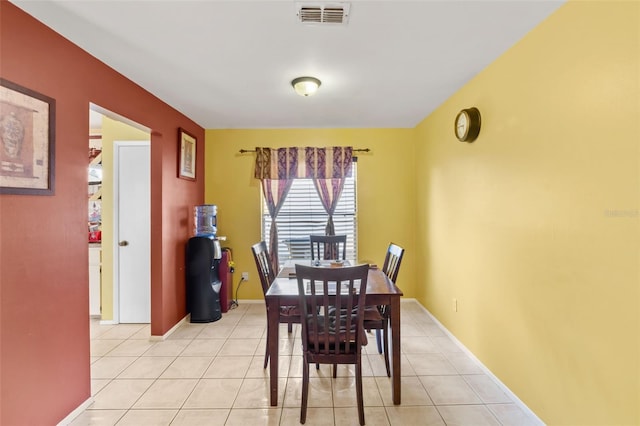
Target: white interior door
{"x":132,"y":170}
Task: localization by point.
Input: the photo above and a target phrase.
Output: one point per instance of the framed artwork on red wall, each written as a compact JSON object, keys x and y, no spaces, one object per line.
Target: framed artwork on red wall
{"x":27,"y":141}
{"x":186,"y":155}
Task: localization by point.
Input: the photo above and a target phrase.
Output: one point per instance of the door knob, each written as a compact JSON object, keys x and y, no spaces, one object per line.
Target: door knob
{"x":123,"y":243}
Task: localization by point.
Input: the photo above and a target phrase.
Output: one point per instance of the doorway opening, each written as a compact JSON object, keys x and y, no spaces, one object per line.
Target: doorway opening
{"x":114,"y":129}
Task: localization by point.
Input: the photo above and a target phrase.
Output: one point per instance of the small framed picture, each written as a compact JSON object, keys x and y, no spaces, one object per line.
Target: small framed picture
{"x":186,"y":155}
{"x":27,"y":141}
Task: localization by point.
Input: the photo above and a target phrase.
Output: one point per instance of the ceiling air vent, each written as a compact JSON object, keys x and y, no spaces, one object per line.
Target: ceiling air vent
{"x":322,"y":13}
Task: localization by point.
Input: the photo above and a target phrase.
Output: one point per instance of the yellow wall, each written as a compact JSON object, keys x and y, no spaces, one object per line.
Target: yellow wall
{"x":112,"y":130}
{"x":534,"y":228}
{"x":384,"y":194}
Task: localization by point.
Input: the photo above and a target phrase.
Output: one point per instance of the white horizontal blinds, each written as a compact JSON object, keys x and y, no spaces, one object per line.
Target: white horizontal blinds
{"x":302,"y":214}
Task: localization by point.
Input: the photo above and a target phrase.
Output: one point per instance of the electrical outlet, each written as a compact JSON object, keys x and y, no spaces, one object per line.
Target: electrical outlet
{"x":245,"y":276}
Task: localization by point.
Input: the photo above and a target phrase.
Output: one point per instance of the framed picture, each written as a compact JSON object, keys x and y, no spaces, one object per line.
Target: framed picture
{"x":186,"y":155}
{"x":27,"y":141}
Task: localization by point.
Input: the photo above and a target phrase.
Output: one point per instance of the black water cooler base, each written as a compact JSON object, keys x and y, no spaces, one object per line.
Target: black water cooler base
{"x":203,"y":284}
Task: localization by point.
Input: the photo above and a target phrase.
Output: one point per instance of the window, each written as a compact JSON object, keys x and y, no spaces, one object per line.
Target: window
{"x":302,"y":215}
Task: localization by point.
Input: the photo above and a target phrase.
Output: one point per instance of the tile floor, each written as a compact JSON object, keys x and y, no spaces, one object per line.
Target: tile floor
{"x":211,"y":374}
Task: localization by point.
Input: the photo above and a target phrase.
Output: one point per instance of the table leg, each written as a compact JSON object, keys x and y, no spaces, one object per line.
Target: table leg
{"x":395,"y":344}
{"x":272,"y":344}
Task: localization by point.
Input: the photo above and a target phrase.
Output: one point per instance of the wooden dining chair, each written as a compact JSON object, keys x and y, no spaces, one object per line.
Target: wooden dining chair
{"x":377,"y":317}
{"x":332,"y":306}
{"x":328,"y":247}
{"x":288,"y":314}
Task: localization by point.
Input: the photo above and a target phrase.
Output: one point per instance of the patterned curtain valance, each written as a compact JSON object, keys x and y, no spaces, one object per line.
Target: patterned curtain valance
{"x":308,"y":162}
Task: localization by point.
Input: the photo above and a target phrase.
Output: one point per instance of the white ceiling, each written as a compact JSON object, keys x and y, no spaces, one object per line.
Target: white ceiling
{"x":229,"y":64}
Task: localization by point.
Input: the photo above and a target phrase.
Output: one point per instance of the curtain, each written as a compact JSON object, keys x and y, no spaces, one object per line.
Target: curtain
{"x":329,"y":191}
{"x":275,"y":191}
{"x":309,"y":162}
{"x":277,"y":167}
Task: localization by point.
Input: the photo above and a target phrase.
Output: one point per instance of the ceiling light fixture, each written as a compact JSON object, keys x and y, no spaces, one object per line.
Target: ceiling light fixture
{"x":305,"y":86}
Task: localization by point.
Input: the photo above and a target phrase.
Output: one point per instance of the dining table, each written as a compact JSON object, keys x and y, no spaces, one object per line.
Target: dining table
{"x":284,"y":292}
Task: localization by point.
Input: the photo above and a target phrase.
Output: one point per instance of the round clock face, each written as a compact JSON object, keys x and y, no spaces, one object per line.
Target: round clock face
{"x":462,"y":123}
{"x":467,"y":125}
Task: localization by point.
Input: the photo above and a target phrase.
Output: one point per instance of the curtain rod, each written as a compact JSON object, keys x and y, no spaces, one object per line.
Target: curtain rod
{"x":242,"y":151}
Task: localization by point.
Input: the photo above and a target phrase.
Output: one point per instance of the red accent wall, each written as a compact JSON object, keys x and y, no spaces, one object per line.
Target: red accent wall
{"x":44,"y":293}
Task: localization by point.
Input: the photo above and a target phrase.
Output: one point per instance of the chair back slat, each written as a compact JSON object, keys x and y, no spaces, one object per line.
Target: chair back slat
{"x":392,"y":261}
{"x":332,"y":302}
{"x":328,"y":247}
{"x":263,"y":264}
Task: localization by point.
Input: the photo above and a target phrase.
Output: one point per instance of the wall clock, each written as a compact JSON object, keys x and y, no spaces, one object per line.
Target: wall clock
{"x":467,"y":124}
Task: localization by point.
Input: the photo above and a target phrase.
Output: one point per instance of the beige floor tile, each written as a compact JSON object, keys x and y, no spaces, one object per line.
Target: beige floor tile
{"x":200,"y":371}
{"x":150,"y":367}
{"x":445,"y":344}
{"x":98,"y":418}
{"x":463,"y":363}
{"x":187,"y":331}
{"x":131,"y":347}
{"x":254,"y":417}
{"x":430,"y":364}
{"x":412,"y":329}
{"x":461,"y":415}
{"x":227,"y":367}
{"x":98,"y":384}
{"x":315,"y":417}
{"x":168,"y":348}
{"x":325,"y":371}
{"x":233,"y":347}
{"x":487,"y":389}
{"x":400,"y":415}
{"x":147,"y":418}
{"x":166,"y":394}
{"x":344,"y":392}
{"x":373,"y":416}
{"x":449,"y":390}
{"x":203,"y":347}
{"x":214,"y":393}
{"x":102,"y":347}
{"x":216,"y":331}
{"x":248,"y":332}
{"x":256,"y":369}
{"x":411,"y":389}
{"x":110,"y":367}
{"x":96,"y":329}
{"x":188,"y":367}
{"x":120,"y":394}
{"x":320,"y":392}
{"x":513,"y":415}
{"x":201,"y":417}
{"x":143,"y":333}
{"x":253,"y":320}
{"x":418,"y":345}
{"x":254,"y":393}
{"x":122,"y":331}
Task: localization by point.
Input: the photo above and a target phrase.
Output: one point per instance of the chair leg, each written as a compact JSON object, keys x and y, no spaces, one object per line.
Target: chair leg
{"x":266,"y":352}
{"x":305,"y":390}
{"x":385,"y":338}
{"x":335,"y":370}
{"x":359,"y":391}
{"x":290,"y":327}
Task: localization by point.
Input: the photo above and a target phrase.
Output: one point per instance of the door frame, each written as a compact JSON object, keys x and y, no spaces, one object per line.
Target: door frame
{"x":116,"y":223}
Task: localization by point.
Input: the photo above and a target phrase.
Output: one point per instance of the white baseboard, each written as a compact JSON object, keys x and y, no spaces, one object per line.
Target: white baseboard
{"x":75,"y":413}
{"x":486,"y":371}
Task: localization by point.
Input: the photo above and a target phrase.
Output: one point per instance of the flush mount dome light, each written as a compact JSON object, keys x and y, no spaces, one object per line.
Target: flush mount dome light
{"x":305,"y":86}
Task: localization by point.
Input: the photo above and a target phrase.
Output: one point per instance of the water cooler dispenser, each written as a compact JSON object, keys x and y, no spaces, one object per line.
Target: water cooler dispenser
{"x":203,"y":258}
